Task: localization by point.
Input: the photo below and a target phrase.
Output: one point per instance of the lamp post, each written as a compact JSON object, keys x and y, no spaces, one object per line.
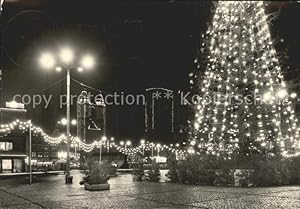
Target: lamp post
{"x":30,"y":153}
{"x":111,"y":141}
{"x":152,"y":151}
{"x":66,"y":55}
{"x":103,"y":139}
{"x":158,"y":149}
{"x":64,"y":122}
{"x":122,"y":144}
{"x":143,"y":145}
{"x":125,"y":144}
{"x":176,"y":152}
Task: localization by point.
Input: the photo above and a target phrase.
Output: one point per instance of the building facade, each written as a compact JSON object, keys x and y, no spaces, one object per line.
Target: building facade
{"x":13,"y":145}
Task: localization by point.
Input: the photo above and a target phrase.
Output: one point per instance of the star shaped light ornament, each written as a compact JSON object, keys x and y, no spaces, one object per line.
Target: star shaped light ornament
{"x":168,"y":95}
{"x":156,"y":95}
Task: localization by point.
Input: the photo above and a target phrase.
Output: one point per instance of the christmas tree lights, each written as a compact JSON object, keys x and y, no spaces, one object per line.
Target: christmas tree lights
{"x":244,"y":105}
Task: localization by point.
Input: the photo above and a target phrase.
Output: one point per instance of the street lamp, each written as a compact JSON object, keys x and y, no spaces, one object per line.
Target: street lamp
{"x":66,"y":56}
{"x":47,"y":61}
{"x":125,"y":144}
{"x":152,"y":151}
{"x":143,"y":145}
{"x":64,"y":122}
{"x":58,"y":69}
{"x":103,"y":139}
{"x":87,"y":61}
{"x":158,"y":149}
{"x":111,"y":141}
{"x":128,"y":143}
{"x":74,"y":122}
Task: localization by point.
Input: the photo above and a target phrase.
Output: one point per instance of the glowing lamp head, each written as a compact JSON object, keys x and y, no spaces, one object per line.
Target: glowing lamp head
{"x":80,"y":69}
{"x":122,"y":143}
{"x":66,"y":55}
{"x":58,"y":69}
{"x":73,"y":122}
{"x":128,"y":143}
{"x":103,"y":138}
{"x":88,"y":62}
{"x":64,"y":121}
{"x":142,"y":141}
{"x":47,"y":60}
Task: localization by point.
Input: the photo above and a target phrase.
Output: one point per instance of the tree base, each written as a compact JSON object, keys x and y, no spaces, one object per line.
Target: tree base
{"x":96,"y":187}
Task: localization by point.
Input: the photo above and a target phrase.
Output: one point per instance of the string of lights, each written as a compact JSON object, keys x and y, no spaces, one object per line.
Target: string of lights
{"x":140,"y":149}
{"x":5,"y":129}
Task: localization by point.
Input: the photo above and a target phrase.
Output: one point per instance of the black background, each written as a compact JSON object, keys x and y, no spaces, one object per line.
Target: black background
{"x":138,"y":45}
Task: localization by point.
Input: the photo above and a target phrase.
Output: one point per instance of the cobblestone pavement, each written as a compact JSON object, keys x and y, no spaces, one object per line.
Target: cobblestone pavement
{"x":125,"y":193}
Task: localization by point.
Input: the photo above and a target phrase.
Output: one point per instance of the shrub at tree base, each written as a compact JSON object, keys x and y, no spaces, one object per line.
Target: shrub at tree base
{"x":273,"y":171}
{"x":173,"y":169}
{"x":276,"y":171}
{"x":153,"y":175}
{"x":96,"y":173}
{"x":224,"y":177}
{"x":267,"y":173}
{"x":193,"y":170}
{"x":294,"y":167}
{"x":138,"y":172}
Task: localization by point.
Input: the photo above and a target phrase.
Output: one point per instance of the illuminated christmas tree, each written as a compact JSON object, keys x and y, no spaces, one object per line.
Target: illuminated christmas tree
{"x":244,"y":106}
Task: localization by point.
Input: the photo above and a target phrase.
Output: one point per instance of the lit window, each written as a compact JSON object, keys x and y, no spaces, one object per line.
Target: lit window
{"x":9,"y":146}
{"x":6,"y":146}
{"x":2,"y":146}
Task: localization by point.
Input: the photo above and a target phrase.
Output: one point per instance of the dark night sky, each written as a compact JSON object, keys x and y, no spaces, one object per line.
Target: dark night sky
{"x":138,"y":44}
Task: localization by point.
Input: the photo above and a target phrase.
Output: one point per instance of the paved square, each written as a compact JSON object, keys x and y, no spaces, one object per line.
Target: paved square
{"x":125,"y":193}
